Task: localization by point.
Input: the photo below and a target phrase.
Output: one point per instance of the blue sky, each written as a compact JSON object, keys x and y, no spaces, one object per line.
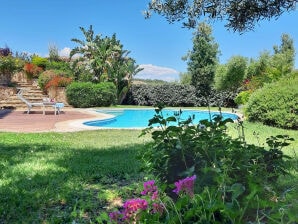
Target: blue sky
{"x":32,"y":25}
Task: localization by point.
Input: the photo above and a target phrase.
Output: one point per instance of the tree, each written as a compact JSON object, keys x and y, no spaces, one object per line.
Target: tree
{"x":185,"y":78}
{"x":271,"y":67}
{"x":104,"y":60}
{"x":284,"y":55}
{"x":240,"y":15}
{"x":202,"y":60}
{"x":94,"y":54}
{"x":231,"y":76}
{"x":53,"y":53}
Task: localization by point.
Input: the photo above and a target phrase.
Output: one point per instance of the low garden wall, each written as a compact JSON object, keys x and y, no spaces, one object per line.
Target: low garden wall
{"x":6,"y":92}
{"x":58,"y":93}
{"x":19,"y":77}
{"x":4,"y":79}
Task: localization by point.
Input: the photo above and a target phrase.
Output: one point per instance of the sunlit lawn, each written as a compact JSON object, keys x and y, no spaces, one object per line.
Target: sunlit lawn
{"x":73,"y":177}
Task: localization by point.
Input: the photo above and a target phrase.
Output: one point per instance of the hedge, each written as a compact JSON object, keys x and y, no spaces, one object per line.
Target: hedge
{"x":87,"y":94}
{"x":176,"y":95}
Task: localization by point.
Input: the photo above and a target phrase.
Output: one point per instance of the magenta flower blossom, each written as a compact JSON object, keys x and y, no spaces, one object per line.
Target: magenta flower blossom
{"x":116,"y":216}
{"x":185,"y":185}
{"x":150,"y":189}
{"x":132,"y":206}
{"x":157,"y":208}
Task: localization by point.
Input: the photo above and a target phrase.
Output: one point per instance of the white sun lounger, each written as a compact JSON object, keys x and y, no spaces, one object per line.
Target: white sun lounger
{"x":57,"y":106}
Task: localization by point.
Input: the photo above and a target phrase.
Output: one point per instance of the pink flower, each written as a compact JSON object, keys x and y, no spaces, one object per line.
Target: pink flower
{"x":157,"y":208}
{"x":154,"y":195}
{"x":185,"y":185}
{"x":150,"y":189}
{"x":132,"y":206}
{"x":115,"y":216}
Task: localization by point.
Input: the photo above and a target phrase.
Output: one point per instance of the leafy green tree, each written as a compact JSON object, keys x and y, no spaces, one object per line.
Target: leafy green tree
{"x":259,"y":66}
{"x":185,"y":78}
{"x":94,"y":53}
{"x":121,"y":73}
{"x":240,"y":15}
{"x":284,"y":55}
{"x":271,"y":67}
{"x":103,"y":60}
{"x":53,"y":53}
{"x":202,"y":60}
{"x":231,"y":76}
{"x":221,"y":70}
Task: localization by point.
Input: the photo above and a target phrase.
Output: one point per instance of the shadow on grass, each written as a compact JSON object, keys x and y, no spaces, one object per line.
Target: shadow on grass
{"x":52,"y":184}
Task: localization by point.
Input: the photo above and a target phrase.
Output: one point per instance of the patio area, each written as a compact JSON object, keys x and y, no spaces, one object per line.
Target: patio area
{"x":68,"y":120}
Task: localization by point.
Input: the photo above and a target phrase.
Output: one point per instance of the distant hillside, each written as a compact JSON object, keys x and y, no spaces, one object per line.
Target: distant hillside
{"x":150,"y":81}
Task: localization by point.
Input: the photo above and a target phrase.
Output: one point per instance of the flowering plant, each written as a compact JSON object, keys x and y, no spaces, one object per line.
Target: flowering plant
{"x":237,"y":180}
{"x":32,"y":70}
{"x":58,"y":81}
{"x":154,"y":206}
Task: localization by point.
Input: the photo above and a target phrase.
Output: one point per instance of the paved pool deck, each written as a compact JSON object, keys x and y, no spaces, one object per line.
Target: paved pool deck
{"x":68,"y":120}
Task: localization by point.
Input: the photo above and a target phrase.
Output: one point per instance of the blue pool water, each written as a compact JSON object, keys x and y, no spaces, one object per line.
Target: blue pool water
{"x":138,"y":118}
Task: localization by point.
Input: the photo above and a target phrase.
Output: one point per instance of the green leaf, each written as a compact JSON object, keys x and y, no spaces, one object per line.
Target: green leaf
{"x":237,"y":189}
{"x":173,"y":119}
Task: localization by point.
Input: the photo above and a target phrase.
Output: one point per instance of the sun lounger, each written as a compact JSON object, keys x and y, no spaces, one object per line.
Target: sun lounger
{"x":44,"y":104}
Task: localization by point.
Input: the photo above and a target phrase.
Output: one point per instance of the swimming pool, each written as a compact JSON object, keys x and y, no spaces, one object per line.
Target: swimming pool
{"x":138,"y":118}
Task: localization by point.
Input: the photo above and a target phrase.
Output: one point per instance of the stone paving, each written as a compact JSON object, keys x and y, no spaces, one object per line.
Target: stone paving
{"x":67,"y":120}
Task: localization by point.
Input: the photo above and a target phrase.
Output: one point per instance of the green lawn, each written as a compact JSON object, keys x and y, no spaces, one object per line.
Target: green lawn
{"x":73,"y":177}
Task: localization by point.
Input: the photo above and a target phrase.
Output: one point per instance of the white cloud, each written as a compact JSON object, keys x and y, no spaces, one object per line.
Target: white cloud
{"x":157,"y":72}
{"x":65,"y":52}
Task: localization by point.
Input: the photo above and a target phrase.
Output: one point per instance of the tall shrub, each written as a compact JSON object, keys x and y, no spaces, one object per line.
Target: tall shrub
{"x":87,"y":94}
{"x":8,"y":65}
{"x":276,"y":104}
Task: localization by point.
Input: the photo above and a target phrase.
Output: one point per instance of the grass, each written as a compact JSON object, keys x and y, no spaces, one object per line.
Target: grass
{"x":58,"y":178}
{"x":256,"y":133}
{"x":74,"y":177}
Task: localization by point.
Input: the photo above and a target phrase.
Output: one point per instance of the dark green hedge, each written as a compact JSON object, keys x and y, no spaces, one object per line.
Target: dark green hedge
{"x":175,"y":95}
{"x":87,"y":94}
{"x":276,"y":104}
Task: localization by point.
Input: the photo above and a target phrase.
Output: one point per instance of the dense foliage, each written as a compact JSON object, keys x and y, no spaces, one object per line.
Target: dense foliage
{"x":231,"y":75}
{"x":103,"y":60}
{"x":271,"y":67}
{"x":8,"y":65}
{"x":276,"y":104}
{"x":242,"y":97}
{"x":39,"y":61}
{"x":53,"y":78}
{"x":87,"y":94}
{"x":236,"y":181}
{"x":202,"y":59}
{"x":173,"y":94}
{"x":240,"y":16}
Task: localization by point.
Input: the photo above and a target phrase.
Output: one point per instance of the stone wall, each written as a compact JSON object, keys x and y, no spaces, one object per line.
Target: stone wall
{"x":6,"y":92}
{"x":19,"y":77}
{"x":4,"y":79}
{"x":58,"y":93}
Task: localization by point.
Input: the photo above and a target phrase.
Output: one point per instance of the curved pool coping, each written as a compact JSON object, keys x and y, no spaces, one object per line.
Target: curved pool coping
{"x":78,"y":124}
